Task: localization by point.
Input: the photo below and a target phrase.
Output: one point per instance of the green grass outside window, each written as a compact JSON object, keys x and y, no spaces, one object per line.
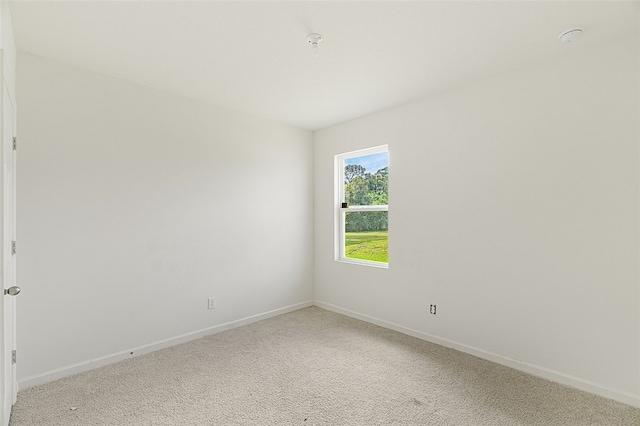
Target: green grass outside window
{"x":371,"y":246}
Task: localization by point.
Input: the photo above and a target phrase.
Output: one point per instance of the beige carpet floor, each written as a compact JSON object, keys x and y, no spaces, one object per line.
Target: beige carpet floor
{"x":311,"y":367}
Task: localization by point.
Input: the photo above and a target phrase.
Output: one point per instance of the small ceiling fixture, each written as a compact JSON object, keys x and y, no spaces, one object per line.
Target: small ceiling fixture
{"x":570,"y":35}
{"x":314,"y":39}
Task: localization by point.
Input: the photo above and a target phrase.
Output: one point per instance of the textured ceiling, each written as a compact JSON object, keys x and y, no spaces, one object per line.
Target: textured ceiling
{"x":253,"y":56}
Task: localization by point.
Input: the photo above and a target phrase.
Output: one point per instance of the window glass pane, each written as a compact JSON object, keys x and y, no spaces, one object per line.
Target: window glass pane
{"x":366,"y":236}
{"x":366,"y":180}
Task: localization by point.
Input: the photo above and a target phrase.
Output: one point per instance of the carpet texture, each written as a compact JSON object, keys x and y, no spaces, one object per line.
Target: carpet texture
{"x":312,"y":367}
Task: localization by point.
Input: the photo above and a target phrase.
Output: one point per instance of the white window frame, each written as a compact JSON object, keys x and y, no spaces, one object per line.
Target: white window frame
{"x":341,"y":211}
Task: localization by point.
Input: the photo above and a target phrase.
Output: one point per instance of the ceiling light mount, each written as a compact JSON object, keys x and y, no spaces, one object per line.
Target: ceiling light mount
{"x":314,"y":39}
{"x":570,"y":35}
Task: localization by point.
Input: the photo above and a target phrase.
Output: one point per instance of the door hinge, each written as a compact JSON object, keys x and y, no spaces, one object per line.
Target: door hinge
{"x":14,"y":358}
{"x":15,"y":143}
{"x":13,"y":247}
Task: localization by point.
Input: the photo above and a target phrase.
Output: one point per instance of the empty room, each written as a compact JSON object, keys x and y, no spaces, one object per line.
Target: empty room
{"x":320,"y":212}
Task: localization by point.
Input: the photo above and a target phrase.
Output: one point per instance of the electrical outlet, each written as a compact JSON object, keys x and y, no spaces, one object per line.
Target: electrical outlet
{"x":212,"y":303}
{"x":432,"y":309}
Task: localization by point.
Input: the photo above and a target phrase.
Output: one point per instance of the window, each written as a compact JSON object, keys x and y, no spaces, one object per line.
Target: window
{"x":362,"y":207}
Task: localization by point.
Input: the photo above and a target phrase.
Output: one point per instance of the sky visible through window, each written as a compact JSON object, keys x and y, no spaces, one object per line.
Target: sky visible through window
{"x":372,"y":162}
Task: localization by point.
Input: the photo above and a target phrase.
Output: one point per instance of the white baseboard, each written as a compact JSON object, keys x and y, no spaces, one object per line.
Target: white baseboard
{"x":141,"y":350}
{"x":534,"y":370}
{"x":545,"y":373}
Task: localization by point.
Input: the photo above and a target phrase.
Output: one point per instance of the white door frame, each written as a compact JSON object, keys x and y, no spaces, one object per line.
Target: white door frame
{"x":9,"y":385}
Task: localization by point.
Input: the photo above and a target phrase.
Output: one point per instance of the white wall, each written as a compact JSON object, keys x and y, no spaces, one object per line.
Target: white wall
{"x":8,"y":45}
{"x":136,"y":205}
{"x":514,"y":207}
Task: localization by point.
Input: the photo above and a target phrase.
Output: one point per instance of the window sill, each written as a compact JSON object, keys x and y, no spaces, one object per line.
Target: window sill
{"x":380,"y":265}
